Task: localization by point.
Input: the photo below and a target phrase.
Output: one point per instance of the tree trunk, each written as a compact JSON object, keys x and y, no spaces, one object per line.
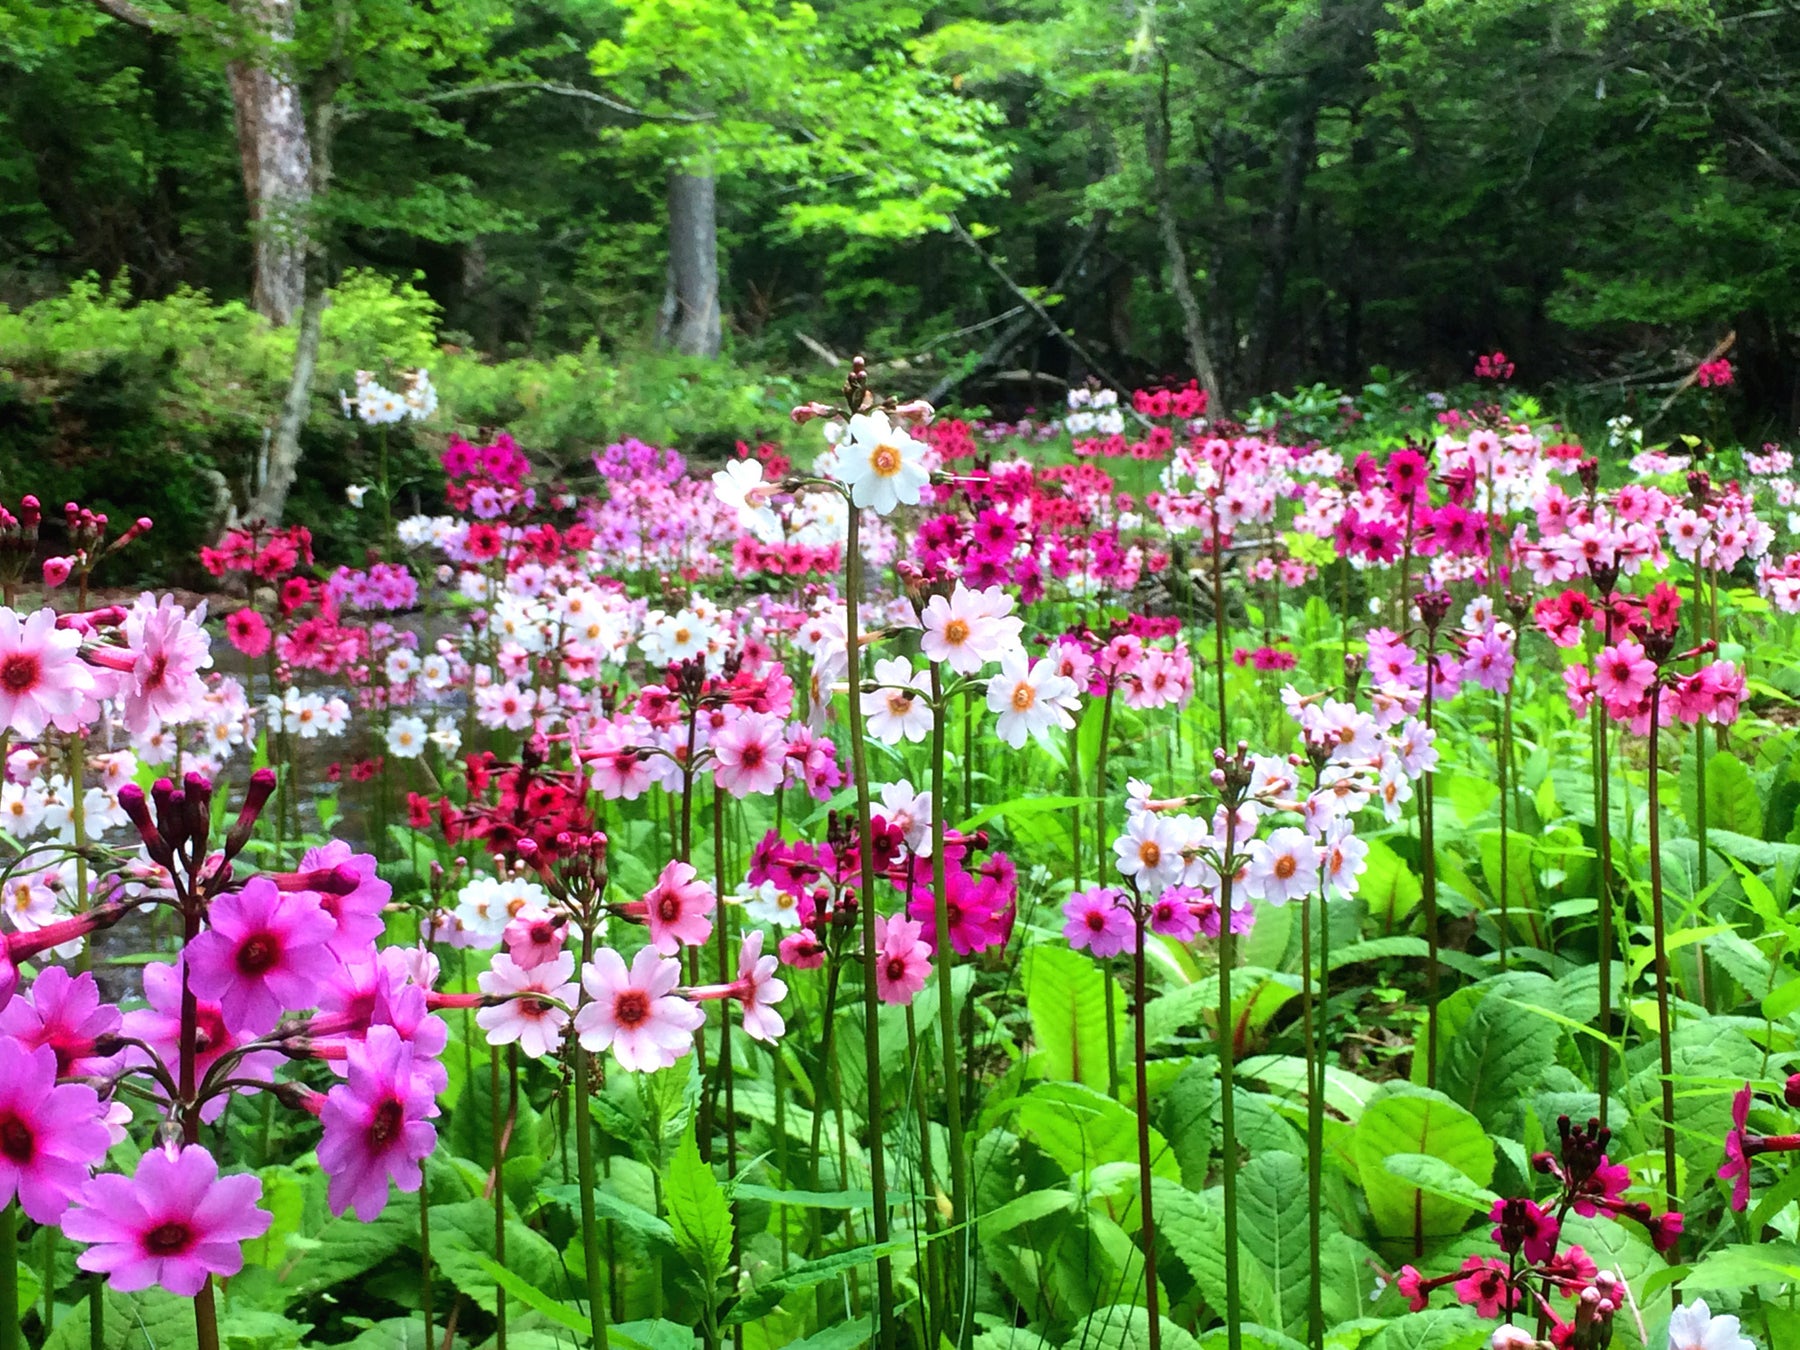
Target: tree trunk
{"x":690,"y":322}
{"x":275,"y":152}
{"x":1193,"y":322}
{"x":1271,"y":291}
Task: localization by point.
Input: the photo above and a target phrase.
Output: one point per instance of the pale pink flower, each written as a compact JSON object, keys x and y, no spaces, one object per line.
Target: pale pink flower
{"x":534,"y":936}
{"x":751,"y":754}
{"x":636,"y":1013}
{"x":964,"y":629}
{"x":759,"y":990}
{"x":530,"y":1015}
{"x":43,"y":680}
{"x":168,"y":651}
{"x":902,"y":960}
{"x":173,"y":1224}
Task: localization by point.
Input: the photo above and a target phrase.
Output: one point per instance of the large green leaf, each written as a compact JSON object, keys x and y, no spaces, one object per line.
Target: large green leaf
{"x":1193,"y":1224}
{"x":1413,"y":1120}
{"x":1065,"y":994}
{"x":1082,"y":1129}
{"x":1389,"y":889}
{"x":1496,"y":1059}
{"x":698,"y":1211}
{"x":1732,"y":800}
{"x":1127,"y":1327}
{"x":1273,"y":1222}
{"x":1434,"y":1329}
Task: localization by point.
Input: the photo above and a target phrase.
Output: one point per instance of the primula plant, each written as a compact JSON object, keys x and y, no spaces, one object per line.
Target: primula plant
{"x":1126,"y":878}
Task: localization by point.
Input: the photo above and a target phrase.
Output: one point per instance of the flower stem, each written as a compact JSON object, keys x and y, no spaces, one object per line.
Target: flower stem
{"x":1315,"y":1088}
{"x":1603,"y":837}
{"x":947,"y":1043}
{"x":1428,"y":883}
{"x":1665,"y":1023}
{"x":499,"y":1191}
{"x":1228,"y":1160}
{"x":584,"y":1173}
{"x":9,"y":1279}
{"x":884,"y":1266}
{"x":425,"y":1251}
{"x":1146,"y":1214}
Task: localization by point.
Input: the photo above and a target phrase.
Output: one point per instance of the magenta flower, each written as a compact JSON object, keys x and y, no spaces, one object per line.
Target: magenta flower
{"x":1488,"y":661}
{"x":50,"y":1133}
{"x":173,"y":1224}
{"x":43,"y":680}
{"x":677,"y":908}
{"x":248,"y":631}
{"x":1736,"y":1169}
{"x":1095,"y":920}
{"x":264,"y":953}
{"x":636,"y":1012}
{"x":376,"y":1126}
{"x":1521,"y":1226}
{"x":1174,"y":916}
{"x":358,"y":913}
{"x":65,"y":1013}
{"x":1485,"y":1288}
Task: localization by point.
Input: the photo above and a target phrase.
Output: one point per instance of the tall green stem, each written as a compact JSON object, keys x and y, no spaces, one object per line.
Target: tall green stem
{"x":584,"y":1175}
{"x":884,"y":1266}
{"x":1663,"y":1016}
{"x":1146,"y":1214}
{"x":1603,"y":837}
{"x":947,"y":1039}
{"x":1234,"y":1336}
{"x":1428,"y":883}
{"x":1315,"y":1087}
{"x":9,"y":1279}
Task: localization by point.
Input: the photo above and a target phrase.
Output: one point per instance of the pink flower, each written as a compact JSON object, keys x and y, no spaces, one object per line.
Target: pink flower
{"x":534,"y":936}
{"x":1488,"y":661}
{"x":43,"y":680}
{"x":50,"y":1133}
{"x":65,"y":1013}
{"x":1736,"y":1169}
{"x":175,"y":1223}
{"x":376,"y":1126}
{"x":676,"y":908}
{"x":528,"y":1016}
{"x":902,"y":960}
{"x":751,"y":757}
{"x":1095,"y":920}
{"x":759,"y":990}
{"x":263,"y":953}
{"x":1173,"y":916}
{"x":978,"y":908}
{"x":168,"y":651}
{"x":249,"y":632}
{"x":1485,"y":1288}
{"x":1623,"y":673}
{"x":636,"y":1012}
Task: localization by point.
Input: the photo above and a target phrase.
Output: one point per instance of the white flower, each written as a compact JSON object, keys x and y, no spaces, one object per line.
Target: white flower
{"x":769,"y":904}
{"x":355,"y":493}
{"x":446,"y":737}
{"x":1283,"y":867}
{"x":1150,"y":850}
{"x":1031,"y":700}
{"x":406,"y":737}
{"x":740,"y":486}
{"x":1694,"y":1327}
{"x":898,"y":709}
{"x":910,"y":813}
{"x":881,"y":464}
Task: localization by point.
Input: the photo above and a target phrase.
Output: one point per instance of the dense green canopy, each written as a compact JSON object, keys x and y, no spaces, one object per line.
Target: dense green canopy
{"x":1268,"y":191}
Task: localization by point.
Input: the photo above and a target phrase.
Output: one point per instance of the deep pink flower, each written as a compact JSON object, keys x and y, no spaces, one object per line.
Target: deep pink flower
{"x":902,"y":960}
{"x":751,"y":757}
{"x":357,"y":914}
{"x":50,"y":1133}
{"x":1623,"y":673}
{"x":1485,"y":1288}
{"x":176,"y":1222}
{"x":1736,"y":1169}
{"x":263,"y":953}
{"x":376,"y":1125}
{"x":248,"y":631}
{"x":1521,"y":1226}
{"x":159,"y":1027}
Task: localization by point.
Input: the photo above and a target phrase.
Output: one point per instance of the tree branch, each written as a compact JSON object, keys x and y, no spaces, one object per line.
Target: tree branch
{"x":550,"y":87}
{"x":126,"y":12}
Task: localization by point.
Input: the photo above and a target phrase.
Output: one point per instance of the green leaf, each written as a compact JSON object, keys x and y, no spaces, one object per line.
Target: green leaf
{"x":698,"y":1212}
{"x":1413,"y":1120}
{"x":1743,"y":1266}
{"x":1733,"y":802}
{"x":1273,"y":1222}
{"x":1436,"y":1177}
{"x":761,"y":1300}
{"x":1193,"y":1224}
{"x":563,"y":1314}
{"x":1434,"y":1329}
{"x":344,"y":1249}
{"x":462,"y":1244}
{"x":1082,"y":1129}
{"x":1496,"y":1058}
{"x":1388,"y":890}
{"x":1127,"y":1327}
{"x":1065,"y":995}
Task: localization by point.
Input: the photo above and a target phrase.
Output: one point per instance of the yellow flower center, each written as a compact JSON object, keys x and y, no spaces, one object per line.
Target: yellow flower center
{"x":885,"y":459}
{"x":1023,"y":696}
{"x":1285,"y":866}
{"x":956,"y":631}
{"x":1149,"y":853}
